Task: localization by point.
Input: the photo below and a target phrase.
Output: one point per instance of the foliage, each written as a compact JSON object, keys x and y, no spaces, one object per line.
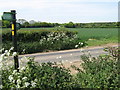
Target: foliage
{"x":69,"y":25}
{"x":33,"y":41}
{"x":6,"y":24}
{"x":33,"y":75}
{"x":100,"y":72}
{"x":97,"y":72}
{"x":33,"y":24}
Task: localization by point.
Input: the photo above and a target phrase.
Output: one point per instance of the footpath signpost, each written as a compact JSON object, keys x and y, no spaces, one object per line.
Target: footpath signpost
{"x":11,"y":16}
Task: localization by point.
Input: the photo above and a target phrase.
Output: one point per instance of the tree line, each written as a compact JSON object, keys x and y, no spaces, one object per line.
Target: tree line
{"x":37,"y":24}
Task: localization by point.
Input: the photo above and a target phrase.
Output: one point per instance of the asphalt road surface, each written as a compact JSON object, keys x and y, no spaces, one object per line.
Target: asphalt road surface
{"x":67,"y":55}
{"x":60,"y":56}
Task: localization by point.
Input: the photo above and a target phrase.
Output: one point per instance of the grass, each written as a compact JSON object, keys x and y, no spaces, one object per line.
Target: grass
{"x":97,"y":36}
{"x":93,"y":36}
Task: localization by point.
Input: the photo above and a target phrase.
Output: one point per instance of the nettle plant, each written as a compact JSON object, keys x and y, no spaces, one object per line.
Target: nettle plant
{"x":34,"y":75}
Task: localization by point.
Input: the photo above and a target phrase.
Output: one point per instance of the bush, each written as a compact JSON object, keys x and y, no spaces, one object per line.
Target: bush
{"x":38,"y":41}
{"x":100,"y":72}
{"x":45,"y":76}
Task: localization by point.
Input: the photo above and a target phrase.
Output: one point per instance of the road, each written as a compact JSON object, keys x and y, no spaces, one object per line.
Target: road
{"x":66,"y":55}
{"x":60,"y":56}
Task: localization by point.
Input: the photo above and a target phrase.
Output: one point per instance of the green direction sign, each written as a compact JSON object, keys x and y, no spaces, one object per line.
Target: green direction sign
{"x":7,"y":16}
{"x":17,"y":26}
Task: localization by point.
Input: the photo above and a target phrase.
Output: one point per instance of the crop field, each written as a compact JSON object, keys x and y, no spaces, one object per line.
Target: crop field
{"x":93,"y":36}
{"x":96,"y":33}
{"x":97,"y":36}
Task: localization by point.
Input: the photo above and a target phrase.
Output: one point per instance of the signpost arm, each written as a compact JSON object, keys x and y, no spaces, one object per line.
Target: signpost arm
{"x":14,"y":39}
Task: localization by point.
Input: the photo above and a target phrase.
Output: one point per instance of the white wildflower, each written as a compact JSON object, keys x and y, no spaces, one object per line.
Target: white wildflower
{"x":27,"y":84}
{"x":24,"y":78}
{"x":14,"y":53}
{"x":23,"y":68}
{"x":33,"y":84}
{"x":1,"y":86}
{"x":18,"y":81}
{"x":15,"y":71}
{"x":76,"y":46}
{"x":10,"y":78}
{"x":13,"y":81}
{"x":11,"y":48}
{"x":71,"y":54}
{"x":2,"y":56}
{"x":81,"y":43}
{"x":6,"y":51}
{"x":18,"y":86}
{"x":36,"y":80}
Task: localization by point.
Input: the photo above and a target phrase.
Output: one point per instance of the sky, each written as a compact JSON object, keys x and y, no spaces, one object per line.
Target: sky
{"x":63,"y":11}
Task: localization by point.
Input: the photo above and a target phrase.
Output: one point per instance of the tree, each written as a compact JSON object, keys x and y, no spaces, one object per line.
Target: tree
{"x":21,"y":21}
{"x":69,"y":25}
{"x":32,"y":22}
{"x":26,"y":24}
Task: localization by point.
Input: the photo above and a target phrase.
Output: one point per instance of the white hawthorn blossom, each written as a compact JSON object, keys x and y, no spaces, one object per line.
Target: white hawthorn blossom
{"x":81,"y":43}
{"x":6,"y":51}
{"x":14,"y":72}
{"x":27,"y":84}
{"x":33,"y":83}
{"x":24,"y":78}
{"x":1,"y":86}
{"x":76,"y":46}
{"x":2,"y":57}
{"x":18,"y":81}
{"x":23,"y":68}
{"x":35,"y":80}
{"x":11,"y":48}
{"x":10,"y":78}
{"x":14,"y":53}
{"x":18,"y":86}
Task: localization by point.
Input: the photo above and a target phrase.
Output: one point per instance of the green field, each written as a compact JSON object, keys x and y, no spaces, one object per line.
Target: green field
{"x":98,"y":36}
{"x":93,"y":36}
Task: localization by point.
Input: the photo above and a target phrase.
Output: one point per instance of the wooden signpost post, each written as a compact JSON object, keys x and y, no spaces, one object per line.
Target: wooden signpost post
{"x":11,"y":16}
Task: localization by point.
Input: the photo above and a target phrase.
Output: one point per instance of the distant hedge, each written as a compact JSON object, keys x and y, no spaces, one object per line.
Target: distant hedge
{"x":43,"y":40}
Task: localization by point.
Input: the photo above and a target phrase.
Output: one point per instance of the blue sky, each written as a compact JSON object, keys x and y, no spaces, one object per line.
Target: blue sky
{"x":62,"y":11}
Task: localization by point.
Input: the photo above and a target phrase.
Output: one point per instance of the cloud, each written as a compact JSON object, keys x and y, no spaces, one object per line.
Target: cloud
{"x":62,"y":10}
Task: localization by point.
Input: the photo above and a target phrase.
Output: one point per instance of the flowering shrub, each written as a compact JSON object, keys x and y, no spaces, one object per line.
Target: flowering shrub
{"x":46,"y":40}
{"x":33,"y":75}
{"x":100,"y":72}
{"x":97,"y":72}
